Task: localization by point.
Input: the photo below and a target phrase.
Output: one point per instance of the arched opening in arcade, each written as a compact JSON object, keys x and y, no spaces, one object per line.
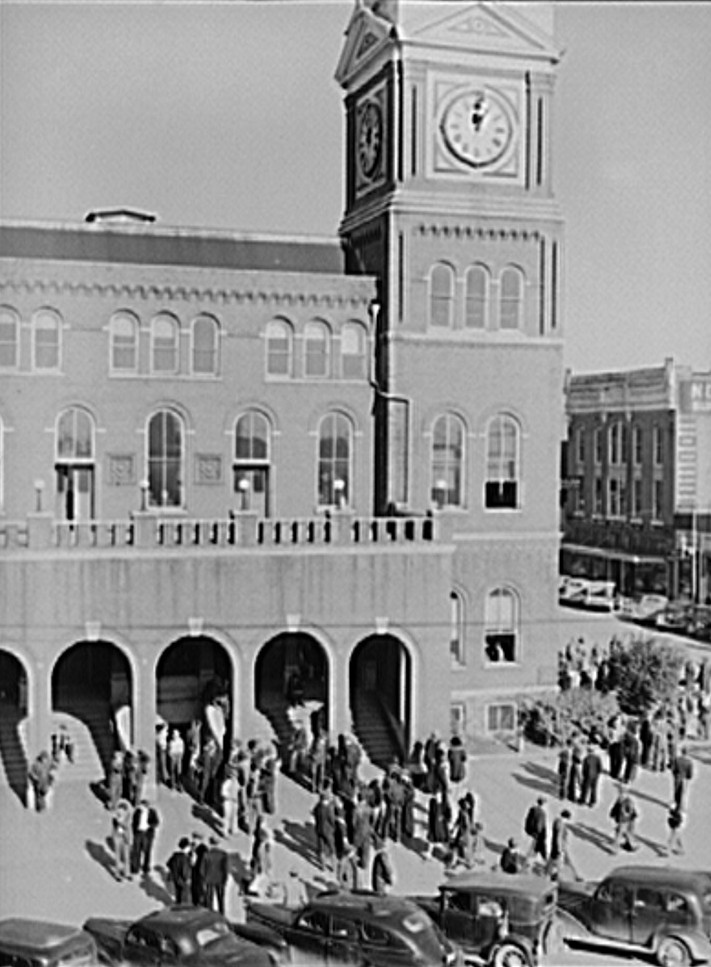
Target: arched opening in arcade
{"x":291,"y":686}
{"x":380,"y":693}
{"x":92,"y":701}
{"x":194,"y":688}
{"x":13,"y":709}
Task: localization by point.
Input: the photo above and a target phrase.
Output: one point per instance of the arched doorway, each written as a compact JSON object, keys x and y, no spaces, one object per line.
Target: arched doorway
{"x":13,"y":709}
{"x":292,"y":673}
{"x":92,"y":693}
{"x":194,"y":683}
{"x":380,"y":686}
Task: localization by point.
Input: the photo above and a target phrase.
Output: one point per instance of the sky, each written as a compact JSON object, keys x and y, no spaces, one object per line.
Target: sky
{"x":227,"y":116}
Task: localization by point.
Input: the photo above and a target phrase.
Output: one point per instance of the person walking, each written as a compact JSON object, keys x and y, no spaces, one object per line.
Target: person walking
{"x":575,"y":772}
{"x":591,"y":772}
{"x":324,"y":814}
{"x":559,"y":856}
{"x":144,"y":823}
{"x":41,"y":776}
{"x":180,"y":870}
{"x":682,"y":774}
{"x":383,"y":873}
{"x":215,"y":866}
{"x":261,"y":863}
{"x":163,"y":775}
{"x":511,"y":860}
{"x":176,"y":754}
{"x":114,"y":780}
{"x":624,"y":815}
{"x":536,"y":827}
{"x":198,"y":849}
{"x":564,"y":768}
{"x":675,"y":820}
{"x":229,"y":793}
{"x":631,"y":754}
{"x":121,"y":832}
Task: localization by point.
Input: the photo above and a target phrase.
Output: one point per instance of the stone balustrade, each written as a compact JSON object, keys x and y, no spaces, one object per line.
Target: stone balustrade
{"x":244,"y":529}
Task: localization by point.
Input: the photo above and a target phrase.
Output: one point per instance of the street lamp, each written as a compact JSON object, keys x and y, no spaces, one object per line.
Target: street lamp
{"x":243,"y":487}
{"x":39,"y":487}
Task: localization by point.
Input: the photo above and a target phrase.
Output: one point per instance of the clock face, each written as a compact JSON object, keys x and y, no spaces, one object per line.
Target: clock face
{"x":478,"y":128}
{"x":369,"y":138}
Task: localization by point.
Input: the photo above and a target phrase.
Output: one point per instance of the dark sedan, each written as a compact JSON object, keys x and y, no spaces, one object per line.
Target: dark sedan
{"x":184,"y":936}
{"x":642,"y":909}
{"x":40,"y":943}
{"x":359,"y":928}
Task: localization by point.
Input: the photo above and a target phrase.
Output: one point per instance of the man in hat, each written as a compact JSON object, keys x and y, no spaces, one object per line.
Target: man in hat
{"x":180,"y":871}
{"x":215,"y":868}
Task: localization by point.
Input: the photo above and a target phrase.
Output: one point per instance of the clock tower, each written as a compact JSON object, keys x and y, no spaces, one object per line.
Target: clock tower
{"x":449,"y":203}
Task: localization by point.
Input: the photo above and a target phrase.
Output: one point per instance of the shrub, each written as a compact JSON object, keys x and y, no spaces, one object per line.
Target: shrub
{"x":646,"y":672}
{"x":551,"y":719}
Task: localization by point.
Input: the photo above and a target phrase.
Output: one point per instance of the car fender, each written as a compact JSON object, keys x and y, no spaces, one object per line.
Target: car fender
{"x":260,"y":934}
{"x":570,"y":927}
{"x":699,"y":945}
{"x":522,"y":943}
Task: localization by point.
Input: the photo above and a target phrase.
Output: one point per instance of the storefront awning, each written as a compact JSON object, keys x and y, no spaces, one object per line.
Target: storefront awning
{"x":612,"y":554}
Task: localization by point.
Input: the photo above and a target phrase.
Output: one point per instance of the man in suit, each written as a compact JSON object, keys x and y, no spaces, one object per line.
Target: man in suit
{"x":591,"y":771}
{"x":215,"y":868}
{"x":179,"y":868}
{"x":536,"y":826}
{"x":683,"y":773}
{"x":145,"y":822}
{"x":197,"y":886}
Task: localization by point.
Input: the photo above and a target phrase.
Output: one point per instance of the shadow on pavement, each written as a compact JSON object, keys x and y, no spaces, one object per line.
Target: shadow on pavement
{"x":541,"y":778}
{"x":100,"y":853}
{"x":298,"y":838}
{"x":207,"y":816}
{"x":156,"y":891}
{"x":591,"y":835}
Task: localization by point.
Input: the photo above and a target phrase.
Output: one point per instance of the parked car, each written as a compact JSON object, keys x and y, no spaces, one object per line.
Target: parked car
{"x":700,"y":623}
{"x":675,"y":617}
{"x":362,"y":928}
{"x":642,"y":909}
{"x":646,"y":609}
{"x":502,"y":920}
{"x":596,"y":595}
{"x":39,"y":943}
{"x":182,"y":935}
{"x":569,"y":587}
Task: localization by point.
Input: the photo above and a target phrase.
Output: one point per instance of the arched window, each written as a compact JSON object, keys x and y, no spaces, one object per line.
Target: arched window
{"x":165,"y":459}
{"x":442,"y":295}
{"x":335,"y":451}
{"x":317,"y":349}
{"x":477,"y":298}
{"x":164,"y":344}
{"x":251,"y":466}
{"x":75,"y":464}
{"x":280,"y":341}
{"x":502,"y":464}
{"x":124,"y":343}
{"x":501,"y":625}
{"x":46,"y":340}
{"x":206,"y":346}
{"x":511,"y":299}
{"x":447,"y":466}
{"x":456,"y":629}
{"x":9,"y":338}
{"x":353,"y":351}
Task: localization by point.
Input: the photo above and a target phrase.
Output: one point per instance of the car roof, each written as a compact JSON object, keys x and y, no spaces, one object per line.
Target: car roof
{"x":180,"y":916}
{"x":500,"y":882}
{"x":363,"y":902}
{"x":664,"y":876}
{"x":37,"y":934}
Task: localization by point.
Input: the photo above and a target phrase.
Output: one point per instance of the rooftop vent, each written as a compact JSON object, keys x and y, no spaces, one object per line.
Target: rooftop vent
{"x":122,"y":216}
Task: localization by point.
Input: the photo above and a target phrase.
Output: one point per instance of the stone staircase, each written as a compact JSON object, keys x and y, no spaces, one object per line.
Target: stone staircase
{"x":371,"y":726}
{"x":13,"y":751}
{"x":89,"y":725}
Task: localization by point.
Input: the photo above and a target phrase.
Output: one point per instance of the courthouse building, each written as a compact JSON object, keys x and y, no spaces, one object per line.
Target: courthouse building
{"x":638,"y":480}
{"x":228,"y":458}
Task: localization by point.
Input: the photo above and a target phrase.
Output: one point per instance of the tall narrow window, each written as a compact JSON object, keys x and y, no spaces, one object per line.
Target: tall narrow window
{"x":280,"y":341}
{"x":617,"y":444}
{"x":316,"y":349}
{"x":9,"y":338}
{"x":165,"y":459}
{"x":75,"y":464}
{"x":477,"y":298}
{"x":124,"y":343}
{"x":580,"y":448}
{"x":442,"y":295}
{"x":46,"y":340}
{"x":511,"y":299}
{"x":657,"y":499}
{"x":657,"y":446}
{"x":164,"y":344}
{"x":597,"y":446}
{"x":501,"y":619}
{"x":206,"y":346}
{"x":637,"y":446}
{"x":456,"y":629}
{"x":502,"y":464}
{"x":334,"y":461}
{"x":251,"y":466}
{"x":447,"y":466}
{"x":353,"y":354}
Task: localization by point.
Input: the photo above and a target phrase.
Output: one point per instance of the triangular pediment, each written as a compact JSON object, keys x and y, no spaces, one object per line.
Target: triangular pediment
{"x":366,"y":36}
{"x":495,"y":28}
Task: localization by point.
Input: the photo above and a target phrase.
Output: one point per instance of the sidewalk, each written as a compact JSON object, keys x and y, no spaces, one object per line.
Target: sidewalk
{"x":58,"y":864}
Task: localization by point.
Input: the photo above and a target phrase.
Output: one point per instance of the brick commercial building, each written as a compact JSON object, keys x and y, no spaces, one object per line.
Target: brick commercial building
{"x":228,"y":458}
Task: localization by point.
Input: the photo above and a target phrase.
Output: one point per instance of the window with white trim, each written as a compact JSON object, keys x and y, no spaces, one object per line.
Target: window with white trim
{"x":579,"y":448}
{"x":501,"y":626}
{"x":447,"y":466}
{"x":335,"y":454}
{"x":511,"y":289}
{"x":476,"y":303}
{"x":164,"y":344}
{"x":657,"y":446}
{"x":353,"y":351}
{"x":317,"y":349}
{"x":75,"y":464}
{"x":457,"y":718}
{"x":9,"y":338}
{"x":616,"y":496}
{"x":597,"y":446}
{"x":252,"y":461}
{"x":442,"y":295}
{"x":617,"y":444}
{"x":123,"y":335}
{"x":501,"y":717}
{"x":501,"y":487}
{"x":280,"y":347}
{"x":658,"y":499}
{"x":46,"y":340}
{"x":637,"y":442}
{"x":165,"y":459}
{"x":456,"y":629}
{"x":206,"y":346}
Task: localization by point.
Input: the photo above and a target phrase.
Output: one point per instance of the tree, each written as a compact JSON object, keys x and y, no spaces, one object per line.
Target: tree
{"x":646,"y":674}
